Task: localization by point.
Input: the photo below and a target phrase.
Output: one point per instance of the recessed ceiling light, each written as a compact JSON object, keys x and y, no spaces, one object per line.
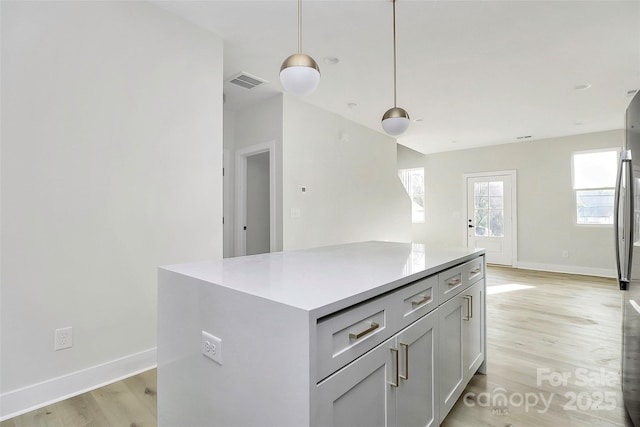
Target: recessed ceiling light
{"x":582,"y":87}
{"x":330,"y":60}
{"x":352,"y":105}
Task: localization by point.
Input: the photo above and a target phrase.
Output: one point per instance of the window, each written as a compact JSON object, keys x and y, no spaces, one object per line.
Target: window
{"x":413,"y":181}
{"x":594,"y":179}
{"x":489,"y":208}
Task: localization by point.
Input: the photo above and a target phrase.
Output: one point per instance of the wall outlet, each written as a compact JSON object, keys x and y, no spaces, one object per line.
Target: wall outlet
{"x":63,"y":338}
{"x":211,"y":347}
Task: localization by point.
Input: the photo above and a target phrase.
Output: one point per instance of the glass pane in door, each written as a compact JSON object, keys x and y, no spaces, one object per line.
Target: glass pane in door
{"x":489,"y":208}
{"x":497,"y":223}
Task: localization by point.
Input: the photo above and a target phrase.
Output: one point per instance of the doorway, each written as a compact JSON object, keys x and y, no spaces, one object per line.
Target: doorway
{"x":491,"y":221}
{"x":255,"y":199}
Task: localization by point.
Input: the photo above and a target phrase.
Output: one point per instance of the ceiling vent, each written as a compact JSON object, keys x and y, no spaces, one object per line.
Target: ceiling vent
{"x":246,"y":80}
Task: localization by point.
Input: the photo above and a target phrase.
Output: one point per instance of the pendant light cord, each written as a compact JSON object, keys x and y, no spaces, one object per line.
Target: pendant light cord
{"x":299,"y":26}
{"x":394,"y":54}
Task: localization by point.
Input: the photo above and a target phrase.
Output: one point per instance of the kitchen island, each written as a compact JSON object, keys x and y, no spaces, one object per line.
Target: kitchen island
{"x":371,"y":333}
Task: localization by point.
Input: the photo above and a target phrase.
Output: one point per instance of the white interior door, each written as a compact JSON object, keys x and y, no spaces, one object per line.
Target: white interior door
{"x":255,"y":181}
{"x":491,"y":215}
{"x":257,"y":203}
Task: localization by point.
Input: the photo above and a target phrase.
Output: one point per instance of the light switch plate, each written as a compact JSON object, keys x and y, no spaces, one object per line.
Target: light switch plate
{"x":211,"y":347}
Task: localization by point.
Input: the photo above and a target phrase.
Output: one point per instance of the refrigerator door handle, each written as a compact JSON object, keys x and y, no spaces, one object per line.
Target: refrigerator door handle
{"x":624,"y":232}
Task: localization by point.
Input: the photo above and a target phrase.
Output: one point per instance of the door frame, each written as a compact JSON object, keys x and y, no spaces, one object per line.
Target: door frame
{"x":228,"y":228}
{"x":241,"y":194}
{"x":514,"y":208}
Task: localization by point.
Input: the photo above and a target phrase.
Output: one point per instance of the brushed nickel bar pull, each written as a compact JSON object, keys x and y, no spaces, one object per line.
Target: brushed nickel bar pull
{"x":476,"y":270}
{"x":395,"y":350}
{"x":455,"y":282}
{"x":469,"y":314}
{"x":406,"y":361}
{"x":371,"y":328}
{"x":425,"y":298}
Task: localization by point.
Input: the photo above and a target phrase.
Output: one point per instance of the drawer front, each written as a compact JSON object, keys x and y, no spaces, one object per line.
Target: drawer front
{"x":451,"y":282}
{"x":417,"y":299}
{"x":456,"y":279}
{"x":343,"y":337}
{"x":474,"y":270}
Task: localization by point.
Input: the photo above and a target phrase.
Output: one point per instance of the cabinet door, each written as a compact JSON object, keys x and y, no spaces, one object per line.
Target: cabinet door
{"x":416,"y":403}
{"x":450,"y":354}
{"x":473,"y":329}
{"x":360,"y":394}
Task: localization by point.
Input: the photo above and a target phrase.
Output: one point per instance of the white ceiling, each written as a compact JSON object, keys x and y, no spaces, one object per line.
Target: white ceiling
{"x":475,"y":72}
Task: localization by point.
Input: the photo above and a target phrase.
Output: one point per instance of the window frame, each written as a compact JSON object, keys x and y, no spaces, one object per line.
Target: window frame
{"x":411,"y":196}
{"x":575,"y":189}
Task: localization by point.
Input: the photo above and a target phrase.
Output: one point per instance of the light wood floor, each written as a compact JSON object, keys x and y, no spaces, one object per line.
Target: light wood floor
{"x":560,"y":325}
{"x":127,"y":403}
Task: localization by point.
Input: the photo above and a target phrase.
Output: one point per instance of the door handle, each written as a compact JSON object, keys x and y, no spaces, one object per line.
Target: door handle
{"x":469,"y":300}
{"x":406,"y":361}
{"x":372,"y":327}
{"x":397,"y":356}
{"x":624,"y":229}
{"x":425,"y":298}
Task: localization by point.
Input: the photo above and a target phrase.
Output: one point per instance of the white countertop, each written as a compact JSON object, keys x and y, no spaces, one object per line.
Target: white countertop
{"x":327,"y":279}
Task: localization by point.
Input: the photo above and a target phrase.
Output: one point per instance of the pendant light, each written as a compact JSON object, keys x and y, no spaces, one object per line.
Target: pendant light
{"x":300,"y":73}
{"x":395,"y":120}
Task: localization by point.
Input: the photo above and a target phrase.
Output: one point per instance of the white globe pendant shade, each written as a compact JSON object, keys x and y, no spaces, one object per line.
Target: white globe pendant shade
{"x":300,"y":74}
{"x":395,"y":121}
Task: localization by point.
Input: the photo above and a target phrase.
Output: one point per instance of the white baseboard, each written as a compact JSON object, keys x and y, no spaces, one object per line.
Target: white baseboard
{"x":570,"y":269}
{"x":26,"y":399}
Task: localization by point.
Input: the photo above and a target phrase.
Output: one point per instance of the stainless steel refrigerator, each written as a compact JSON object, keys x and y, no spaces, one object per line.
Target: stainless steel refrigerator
{"x":627,"y":226}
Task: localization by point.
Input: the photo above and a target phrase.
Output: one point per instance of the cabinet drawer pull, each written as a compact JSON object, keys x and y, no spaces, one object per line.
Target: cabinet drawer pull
{"x":395,"y":351}
{"x":469,"y":300}
{"x":476,"y":270}
{"x":454,"y":282}
{"x":371,"y":328}
{"x":425,"y":298}
{"x":406,"y":361}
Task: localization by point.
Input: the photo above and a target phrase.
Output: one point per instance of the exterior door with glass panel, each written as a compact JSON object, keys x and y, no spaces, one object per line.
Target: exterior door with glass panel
{"x":489,"y":217}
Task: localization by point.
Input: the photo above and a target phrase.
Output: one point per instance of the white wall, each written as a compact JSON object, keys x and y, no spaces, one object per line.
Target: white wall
{"x":111,"y":166}
{"x":546,"y":200}
{"x":353,"y":190}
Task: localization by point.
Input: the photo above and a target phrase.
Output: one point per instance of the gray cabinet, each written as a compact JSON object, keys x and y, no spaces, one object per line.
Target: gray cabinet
{"x":450,"y":353}
{"x":416,"y":402}
{"x":473,"y":331}
{"x":392,"y":385}
{"x":461,"y":347}
{"x":359,"y":394}
{"x":371,"y":334}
